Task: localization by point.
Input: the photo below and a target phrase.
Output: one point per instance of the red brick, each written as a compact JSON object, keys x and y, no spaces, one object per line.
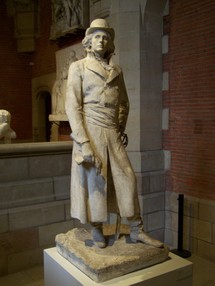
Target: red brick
{"x":191,"y":99}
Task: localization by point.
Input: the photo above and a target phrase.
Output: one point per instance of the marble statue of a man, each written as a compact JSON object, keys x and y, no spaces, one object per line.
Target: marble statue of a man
{"x":102,"y":179}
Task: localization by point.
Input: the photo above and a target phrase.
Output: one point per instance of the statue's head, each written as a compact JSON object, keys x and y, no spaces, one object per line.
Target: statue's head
{"x":95,"y":26}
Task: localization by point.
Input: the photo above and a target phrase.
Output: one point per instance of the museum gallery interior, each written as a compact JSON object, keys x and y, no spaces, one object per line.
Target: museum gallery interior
{"x":166,"y":50}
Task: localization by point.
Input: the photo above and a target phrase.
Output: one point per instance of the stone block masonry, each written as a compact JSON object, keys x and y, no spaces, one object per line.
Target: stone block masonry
{"x":34,"y":199}
{"x":199,"y":225}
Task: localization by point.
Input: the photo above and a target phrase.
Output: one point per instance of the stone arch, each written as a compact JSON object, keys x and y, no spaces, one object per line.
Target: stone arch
{"x":41,"y":106}
{"x":43,"y":103}
{"x":41,"y":112}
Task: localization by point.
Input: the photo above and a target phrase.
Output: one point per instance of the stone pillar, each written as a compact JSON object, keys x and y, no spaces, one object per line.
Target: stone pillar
{"x":138,"y":27}
{"x":26,"y":23}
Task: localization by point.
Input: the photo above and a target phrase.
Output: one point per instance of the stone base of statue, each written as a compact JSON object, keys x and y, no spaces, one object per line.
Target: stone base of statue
{"x":120,"y":257}
{"x":174,"y":271}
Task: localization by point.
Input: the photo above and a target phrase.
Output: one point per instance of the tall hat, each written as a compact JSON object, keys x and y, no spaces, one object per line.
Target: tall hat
{"x":100,"y":24}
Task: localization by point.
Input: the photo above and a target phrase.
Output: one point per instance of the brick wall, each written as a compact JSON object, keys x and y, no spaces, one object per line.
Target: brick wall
{"x":45,"y":49}
{"x":190,"y":62}
{"x":15,"y":74}
{"x":18,"y":69}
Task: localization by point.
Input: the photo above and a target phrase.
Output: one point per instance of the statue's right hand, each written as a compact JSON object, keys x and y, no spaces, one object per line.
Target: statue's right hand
{"x":87,"y":152}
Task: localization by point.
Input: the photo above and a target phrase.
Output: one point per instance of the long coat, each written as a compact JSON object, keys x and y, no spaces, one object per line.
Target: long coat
{"x":97,"y":107}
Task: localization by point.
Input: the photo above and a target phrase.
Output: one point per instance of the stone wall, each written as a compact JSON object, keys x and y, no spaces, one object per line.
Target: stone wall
{"x":34,"y":201}
{"x":199,"y":225}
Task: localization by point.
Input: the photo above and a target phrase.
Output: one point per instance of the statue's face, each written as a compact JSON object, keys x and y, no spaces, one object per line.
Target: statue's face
{"x":100,"y":42}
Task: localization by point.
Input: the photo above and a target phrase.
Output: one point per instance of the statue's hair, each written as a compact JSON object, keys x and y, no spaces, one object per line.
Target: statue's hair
{"x":87,"y":44}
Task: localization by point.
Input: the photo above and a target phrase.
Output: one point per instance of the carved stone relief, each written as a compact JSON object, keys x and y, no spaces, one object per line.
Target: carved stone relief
{"x":67,"y":17}
{"x":64,"y":58}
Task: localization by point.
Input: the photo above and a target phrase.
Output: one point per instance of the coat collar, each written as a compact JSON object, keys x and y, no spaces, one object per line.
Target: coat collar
{"x":93,"y":65}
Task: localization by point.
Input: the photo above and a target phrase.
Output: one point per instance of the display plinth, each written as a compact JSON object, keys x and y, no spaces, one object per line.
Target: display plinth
{"x":176,"y":271}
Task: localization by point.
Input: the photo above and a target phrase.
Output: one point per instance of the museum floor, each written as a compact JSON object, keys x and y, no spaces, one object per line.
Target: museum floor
{"x":204,"y":275}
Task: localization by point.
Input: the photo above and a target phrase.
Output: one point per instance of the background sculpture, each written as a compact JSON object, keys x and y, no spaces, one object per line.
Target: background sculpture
{"x":6,"y":132}
{"x":66,"y":16}
{"x":59,"y":88}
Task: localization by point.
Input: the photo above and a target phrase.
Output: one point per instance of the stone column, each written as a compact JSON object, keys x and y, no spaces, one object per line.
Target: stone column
{"x":138,"y":27}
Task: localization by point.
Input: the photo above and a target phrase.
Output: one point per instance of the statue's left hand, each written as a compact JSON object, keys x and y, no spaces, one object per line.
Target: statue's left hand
{"x":98,"y":165}
{"x":124,"y":138}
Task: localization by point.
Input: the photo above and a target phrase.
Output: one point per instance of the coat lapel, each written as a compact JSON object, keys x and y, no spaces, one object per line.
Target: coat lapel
{"x":113,"y":74}
{"x":93,"y":65}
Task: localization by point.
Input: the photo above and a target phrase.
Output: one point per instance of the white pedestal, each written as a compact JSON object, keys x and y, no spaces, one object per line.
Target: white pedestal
{"x":175,"y":272}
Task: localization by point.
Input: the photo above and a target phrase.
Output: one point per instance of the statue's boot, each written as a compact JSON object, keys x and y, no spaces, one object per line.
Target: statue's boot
{"x":137,"y":233}
{"x":97,"y":235}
